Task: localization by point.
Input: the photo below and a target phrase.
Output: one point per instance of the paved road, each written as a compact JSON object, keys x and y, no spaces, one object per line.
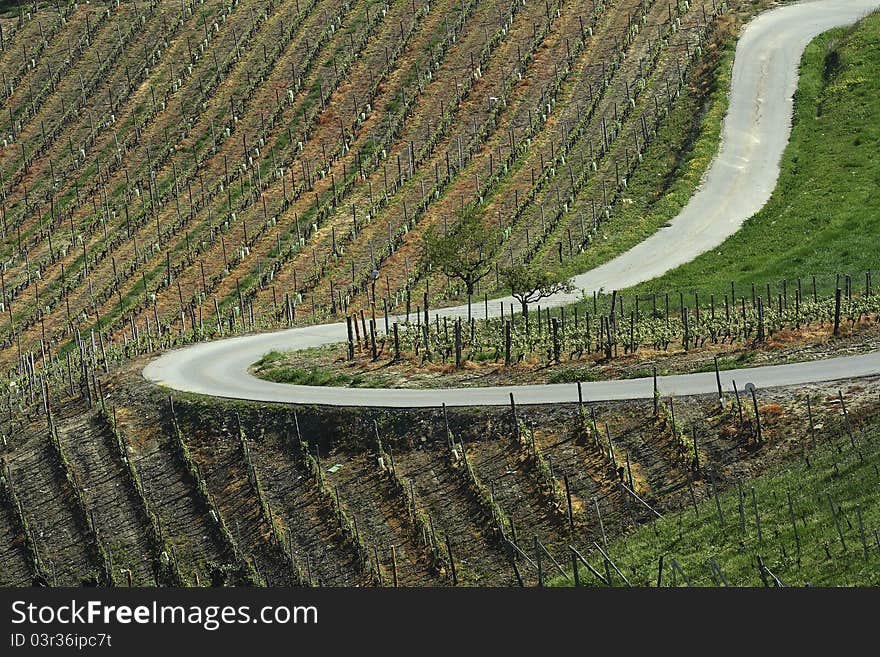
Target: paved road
{"x":738,"y":183}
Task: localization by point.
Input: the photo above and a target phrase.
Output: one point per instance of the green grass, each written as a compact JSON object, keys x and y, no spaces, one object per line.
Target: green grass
{"x":273,"y":367}
{"x":849,"y":476}
{"x":584,"y":374}
{"x":574,"y":375}
{"x":11,"y":7}
{"x":823,"y":213}
{"x":744,"y":359}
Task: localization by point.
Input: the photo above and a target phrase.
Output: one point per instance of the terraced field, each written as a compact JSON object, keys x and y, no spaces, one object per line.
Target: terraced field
{"x":198,"y":168}
{"x":172,"y":172}
{"x":140,"y":489}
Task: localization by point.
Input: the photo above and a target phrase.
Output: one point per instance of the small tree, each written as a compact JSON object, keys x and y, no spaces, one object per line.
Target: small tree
{"x":464,"y":252}
{"x":529,"y":284}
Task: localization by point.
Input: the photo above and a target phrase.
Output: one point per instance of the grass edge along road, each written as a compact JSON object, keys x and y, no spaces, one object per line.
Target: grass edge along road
{"x":821,"y":210}
{"x":813,"y":521}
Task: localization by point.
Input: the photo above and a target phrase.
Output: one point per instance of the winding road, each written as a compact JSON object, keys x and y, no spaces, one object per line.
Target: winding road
{"x":738,"y":183}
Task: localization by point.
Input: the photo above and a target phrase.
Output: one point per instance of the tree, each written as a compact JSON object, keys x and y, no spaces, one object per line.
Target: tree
{"x":464,"y":252}
{"x":529,"y":284}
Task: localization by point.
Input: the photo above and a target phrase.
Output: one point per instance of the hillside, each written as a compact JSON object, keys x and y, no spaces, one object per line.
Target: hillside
{"x":821,"y":218}
{"x":173,"y":172}
{"x":200,"y":168}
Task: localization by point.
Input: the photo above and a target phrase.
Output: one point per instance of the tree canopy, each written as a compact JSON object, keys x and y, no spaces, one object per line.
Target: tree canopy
{"x":529,"y":284}
{"x":463,"y":251}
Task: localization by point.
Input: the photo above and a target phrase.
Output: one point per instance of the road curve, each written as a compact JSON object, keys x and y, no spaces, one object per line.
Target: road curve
{"x":738,"y":183}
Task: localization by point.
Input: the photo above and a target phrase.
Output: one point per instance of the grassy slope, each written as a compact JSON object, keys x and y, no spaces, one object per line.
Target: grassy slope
{"x":822,"y":217}
{"x":274,"y":367}
{"x":848,"y":476}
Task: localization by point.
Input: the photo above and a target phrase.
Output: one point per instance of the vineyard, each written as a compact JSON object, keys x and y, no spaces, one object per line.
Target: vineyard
{"x":581,"y":340}
{"x":810,"y":532}
{"x":138,"y":488}
{"x":201,"y":168}
{"x":183,"y":170}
